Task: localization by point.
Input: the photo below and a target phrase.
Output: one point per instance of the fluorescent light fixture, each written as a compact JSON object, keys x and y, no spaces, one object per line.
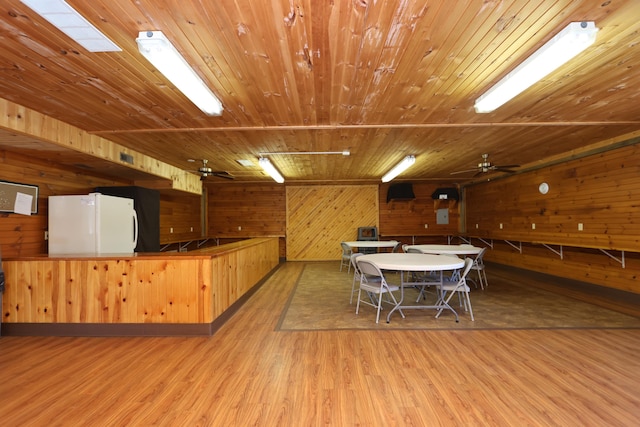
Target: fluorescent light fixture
{"x":568,"y":43}
{"x":74,"y":25}
{"x":399,"y":168}
{"x":245,"y":162}
{"x":292,"y":153}
{"x":271,"y":170}
{"x":165,"y":57}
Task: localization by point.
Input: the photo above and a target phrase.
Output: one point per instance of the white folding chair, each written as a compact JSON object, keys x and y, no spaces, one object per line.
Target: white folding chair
{"x":346,"y":256}
{"x":450,"y":287}
{"x":356,"y":275}
{"x":478,"y":266}
{"x":378,"y":287}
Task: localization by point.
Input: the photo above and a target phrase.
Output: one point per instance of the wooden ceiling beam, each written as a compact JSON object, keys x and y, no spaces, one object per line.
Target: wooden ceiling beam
{"x":26,"y":122}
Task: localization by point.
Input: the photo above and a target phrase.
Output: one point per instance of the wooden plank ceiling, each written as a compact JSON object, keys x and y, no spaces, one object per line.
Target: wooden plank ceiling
{"x":382,"y":79}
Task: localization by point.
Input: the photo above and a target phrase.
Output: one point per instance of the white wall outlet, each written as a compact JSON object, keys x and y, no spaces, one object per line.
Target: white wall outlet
{"x":426,"y":226}
{"x":533,"y":226}
{"x":580,"y":227}
{"x":171,"y":230}
{"x":192,"y":229}
{"x":476,"y":225}
{"x":239,"y":228}
{"x":500,"y":226}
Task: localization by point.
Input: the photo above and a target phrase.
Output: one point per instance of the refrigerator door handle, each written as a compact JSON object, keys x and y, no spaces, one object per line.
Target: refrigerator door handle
{"x":135,"y":229}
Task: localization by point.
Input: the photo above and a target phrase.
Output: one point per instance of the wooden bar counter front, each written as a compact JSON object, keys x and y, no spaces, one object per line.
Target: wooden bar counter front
{"x":187,"y":293}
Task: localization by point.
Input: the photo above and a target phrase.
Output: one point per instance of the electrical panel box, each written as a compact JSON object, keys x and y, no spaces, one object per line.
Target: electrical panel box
{"x":442,"y":216}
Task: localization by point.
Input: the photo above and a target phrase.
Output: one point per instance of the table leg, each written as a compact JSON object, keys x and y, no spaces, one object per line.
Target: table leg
{"x":440,"y":304}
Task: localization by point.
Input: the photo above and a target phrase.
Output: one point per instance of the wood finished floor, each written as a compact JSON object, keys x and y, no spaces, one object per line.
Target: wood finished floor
{"x":249,"y":373}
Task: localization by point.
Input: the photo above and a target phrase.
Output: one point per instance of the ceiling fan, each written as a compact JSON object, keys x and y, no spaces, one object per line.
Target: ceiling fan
{"x":486,"y":166}
{"x":206,"y":171}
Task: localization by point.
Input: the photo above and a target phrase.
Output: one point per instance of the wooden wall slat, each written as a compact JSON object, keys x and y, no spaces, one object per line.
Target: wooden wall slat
{"x":23,"y":235}
{"x":601,"y":192}
{"x":405,"y":220}
{"x":148,"y":289}
{"x":320,"y":217}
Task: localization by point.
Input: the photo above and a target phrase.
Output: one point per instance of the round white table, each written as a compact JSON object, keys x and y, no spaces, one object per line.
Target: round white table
{"x":446,"y":249}
{"x":372,"y":244}
{"x":415,"y":262}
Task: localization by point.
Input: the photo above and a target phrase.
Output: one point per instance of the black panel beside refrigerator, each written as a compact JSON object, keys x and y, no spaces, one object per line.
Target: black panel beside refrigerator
{"x":146,"y":202}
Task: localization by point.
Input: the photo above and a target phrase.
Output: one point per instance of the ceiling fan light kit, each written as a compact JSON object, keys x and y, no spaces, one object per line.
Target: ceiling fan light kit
{"x":568,"y":43}
{"x":486,"y":166}
{"x":206,"y":171}
{"x":399,"y":168}
{"x":159,"y":51}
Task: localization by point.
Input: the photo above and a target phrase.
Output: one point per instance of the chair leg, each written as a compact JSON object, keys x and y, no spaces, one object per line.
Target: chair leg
{"x":379,"y":307}
{"x":446,"y":301}
{"x":395,"y":302}
{"x":358,"y":304}
{"x":468,"y":302}
{"x":479,"y":270}
{"x":353,"y":288}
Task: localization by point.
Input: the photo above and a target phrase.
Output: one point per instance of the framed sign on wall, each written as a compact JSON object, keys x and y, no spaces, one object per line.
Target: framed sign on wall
{"x":18,"y":198}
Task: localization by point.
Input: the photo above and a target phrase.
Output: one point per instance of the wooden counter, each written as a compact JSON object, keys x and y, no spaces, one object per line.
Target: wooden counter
{"x":184,"y":293}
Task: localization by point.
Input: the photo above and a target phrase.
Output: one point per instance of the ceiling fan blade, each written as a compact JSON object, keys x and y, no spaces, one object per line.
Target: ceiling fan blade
{"x":223,"y":174}
{"x":507,"y":166}
{"x":501,"y":169}
{"x":465,"y":171}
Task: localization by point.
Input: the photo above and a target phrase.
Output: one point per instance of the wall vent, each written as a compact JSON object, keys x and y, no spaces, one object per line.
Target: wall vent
{"x":127,"y":158}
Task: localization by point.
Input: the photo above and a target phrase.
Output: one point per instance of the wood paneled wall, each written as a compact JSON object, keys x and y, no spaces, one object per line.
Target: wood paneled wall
{"x":262,"y":210}
{"x":600,"y":191}
{"x":162,"y":288}
{"x":23,"y":121}
{"x":237,"y":211}
{"x":405,"y":220}
{"x":246,"y":210}
{"x":320,"y":217}
{"x":22,"y":235}
{"x":180,"y":218}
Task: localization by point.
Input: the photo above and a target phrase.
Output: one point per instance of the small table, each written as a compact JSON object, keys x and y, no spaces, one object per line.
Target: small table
{"x":447,"y":249}
{"x":415,"y":262}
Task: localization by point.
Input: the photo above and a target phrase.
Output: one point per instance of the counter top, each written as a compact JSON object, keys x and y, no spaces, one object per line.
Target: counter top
{"x":208,"y":252}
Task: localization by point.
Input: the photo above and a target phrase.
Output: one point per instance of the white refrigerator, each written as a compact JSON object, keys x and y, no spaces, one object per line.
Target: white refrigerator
{"x":92,"y":224}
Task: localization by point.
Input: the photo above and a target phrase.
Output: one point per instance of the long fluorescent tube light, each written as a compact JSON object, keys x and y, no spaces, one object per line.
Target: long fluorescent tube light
{"x":270,"y":169}
{"x":69,"y":21}
{"x":292,"y":153}
{"x":568,"y":43}
{"x":399,"y":168}
{"x":165,"y":57}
